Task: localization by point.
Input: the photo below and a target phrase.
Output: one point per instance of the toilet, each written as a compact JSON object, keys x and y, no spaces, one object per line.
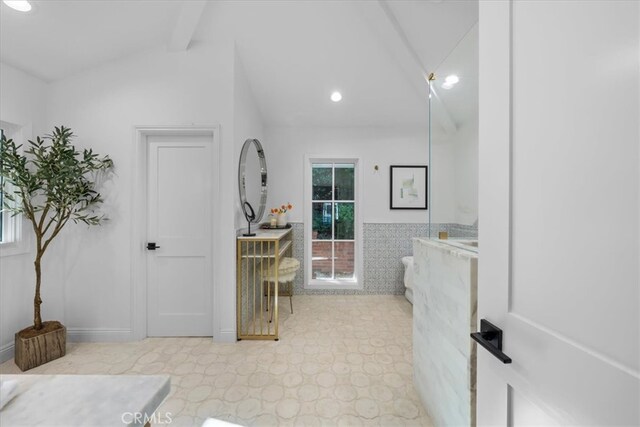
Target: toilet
{"x":408,"y":277}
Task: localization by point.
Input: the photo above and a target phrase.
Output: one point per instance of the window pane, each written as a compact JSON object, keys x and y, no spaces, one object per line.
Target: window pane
{"x":345,"y":181}
{"x":2,"y":214}
{"x":322,"y":177}
{"x":345,"y":213}
{"x":321,"y":217}
{"x":321,"y":262}
{"x":344,"y":256}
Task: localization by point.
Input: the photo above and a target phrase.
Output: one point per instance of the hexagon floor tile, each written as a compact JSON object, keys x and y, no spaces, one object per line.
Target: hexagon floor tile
{"x":340,"y":360}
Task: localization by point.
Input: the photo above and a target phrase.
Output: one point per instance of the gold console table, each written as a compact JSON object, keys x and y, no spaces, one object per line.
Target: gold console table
{"x":258,"y":259}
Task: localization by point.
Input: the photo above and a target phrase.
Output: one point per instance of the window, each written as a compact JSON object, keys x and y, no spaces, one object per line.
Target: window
{"x":332,"y":224}
{"x":11,"y":240}
{"x":3,"y":214}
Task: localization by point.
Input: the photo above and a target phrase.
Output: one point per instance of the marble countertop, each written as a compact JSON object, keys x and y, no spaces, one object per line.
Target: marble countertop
{"x":446,"y":246}
{"x":83,"y":400}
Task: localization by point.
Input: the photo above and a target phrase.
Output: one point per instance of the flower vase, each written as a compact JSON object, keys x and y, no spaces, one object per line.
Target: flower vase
{"x":282,"y":219}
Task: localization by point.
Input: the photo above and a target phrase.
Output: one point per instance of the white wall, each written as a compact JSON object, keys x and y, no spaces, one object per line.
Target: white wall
{"x":460,"y":104}
{"x":102,"y":106}
{"x":465,"y":153}
{"x":443,"y":181}
{"x":285,"y":149}
{"x":21,"y":104}
{"x":205,"y":85}
{"x":247,"y":123}
{"x":91,"y":287}
{"x":455,"y":175}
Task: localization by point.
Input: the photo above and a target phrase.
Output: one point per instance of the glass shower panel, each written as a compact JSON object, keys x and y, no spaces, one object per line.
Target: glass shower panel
{"x":453,"y":143}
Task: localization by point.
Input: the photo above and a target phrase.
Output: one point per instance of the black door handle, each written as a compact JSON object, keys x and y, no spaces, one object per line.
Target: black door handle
{"x":490,"y":337}
{"x":152,"y":246}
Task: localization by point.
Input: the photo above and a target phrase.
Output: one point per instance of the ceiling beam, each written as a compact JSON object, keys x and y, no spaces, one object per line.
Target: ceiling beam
{"x":384,"y":23}
{"x":186,"y":25}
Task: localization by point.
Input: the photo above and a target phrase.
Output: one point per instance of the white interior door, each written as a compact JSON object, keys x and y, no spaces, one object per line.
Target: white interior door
{"x":559,"y":212}
{"x":179,"y":223}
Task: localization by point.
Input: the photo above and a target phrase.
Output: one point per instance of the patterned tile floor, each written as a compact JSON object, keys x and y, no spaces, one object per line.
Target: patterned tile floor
{"x":341,"y":360}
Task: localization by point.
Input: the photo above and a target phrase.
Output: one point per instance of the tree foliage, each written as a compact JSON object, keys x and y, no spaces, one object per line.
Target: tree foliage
{"x":50,"y":183}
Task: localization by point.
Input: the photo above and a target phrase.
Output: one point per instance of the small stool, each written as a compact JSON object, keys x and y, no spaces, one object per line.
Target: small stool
{"x":287,"y":269}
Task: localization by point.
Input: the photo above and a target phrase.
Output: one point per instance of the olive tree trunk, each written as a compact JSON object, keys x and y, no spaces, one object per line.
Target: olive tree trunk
{"x":37,"y":301}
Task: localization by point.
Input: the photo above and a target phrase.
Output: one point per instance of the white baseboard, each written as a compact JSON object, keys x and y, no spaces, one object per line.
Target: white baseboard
{"x":99,"y":335}
{"x":79,"y":335}
{"x":104,"y":335}
{"x":225,"y":336}
{"x":6,"y":352}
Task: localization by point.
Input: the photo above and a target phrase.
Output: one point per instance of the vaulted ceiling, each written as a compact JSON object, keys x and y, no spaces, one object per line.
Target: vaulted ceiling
{"x":295,"y":53}
{"x":61,"y":38}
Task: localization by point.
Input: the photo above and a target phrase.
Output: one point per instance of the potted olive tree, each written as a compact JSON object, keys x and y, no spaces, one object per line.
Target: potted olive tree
{"x":50,"y":184}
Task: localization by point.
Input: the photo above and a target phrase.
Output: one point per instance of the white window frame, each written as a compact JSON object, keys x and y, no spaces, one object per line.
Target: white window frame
{"x":357,"y":282}
{"x":14,"y":241}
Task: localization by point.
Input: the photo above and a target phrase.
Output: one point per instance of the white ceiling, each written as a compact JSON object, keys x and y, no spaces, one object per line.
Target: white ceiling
{"x":434,"y":28}
{"x":60,"y":38}
{"x":294,"y":53}
{"x":461,"y":101}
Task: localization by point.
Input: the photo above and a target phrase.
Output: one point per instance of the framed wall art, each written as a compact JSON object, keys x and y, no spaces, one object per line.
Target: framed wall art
{"x":408,"y":187}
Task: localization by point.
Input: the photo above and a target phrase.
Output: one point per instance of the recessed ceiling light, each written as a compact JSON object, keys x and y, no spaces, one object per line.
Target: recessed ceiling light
{"x":336,"y":96}
{"x":20,"y":5}
{"x":452,"y":79}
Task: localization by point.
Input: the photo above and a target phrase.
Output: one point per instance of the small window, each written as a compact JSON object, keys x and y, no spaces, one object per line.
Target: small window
{"x":333,"y":227}
{"x":2,"y":212}
{"x":11,"y":241}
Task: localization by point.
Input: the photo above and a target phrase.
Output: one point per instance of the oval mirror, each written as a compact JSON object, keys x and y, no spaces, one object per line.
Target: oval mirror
{"x":252,"y":180}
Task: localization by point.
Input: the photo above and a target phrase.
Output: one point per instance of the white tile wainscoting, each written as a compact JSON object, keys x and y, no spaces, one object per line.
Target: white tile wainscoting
{"x":384,"y":246}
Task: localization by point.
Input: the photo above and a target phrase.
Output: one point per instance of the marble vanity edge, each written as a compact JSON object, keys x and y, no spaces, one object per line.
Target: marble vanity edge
{"x":458,"y":252}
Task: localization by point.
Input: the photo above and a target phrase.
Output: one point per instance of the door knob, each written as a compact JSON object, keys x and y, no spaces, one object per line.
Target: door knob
{"x":152,"y":246}
{"x":490,"y":337}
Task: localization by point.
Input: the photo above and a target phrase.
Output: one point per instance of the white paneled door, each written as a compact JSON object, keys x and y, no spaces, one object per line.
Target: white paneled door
{"x":559,"y":212}
{"x":179,"y":236}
